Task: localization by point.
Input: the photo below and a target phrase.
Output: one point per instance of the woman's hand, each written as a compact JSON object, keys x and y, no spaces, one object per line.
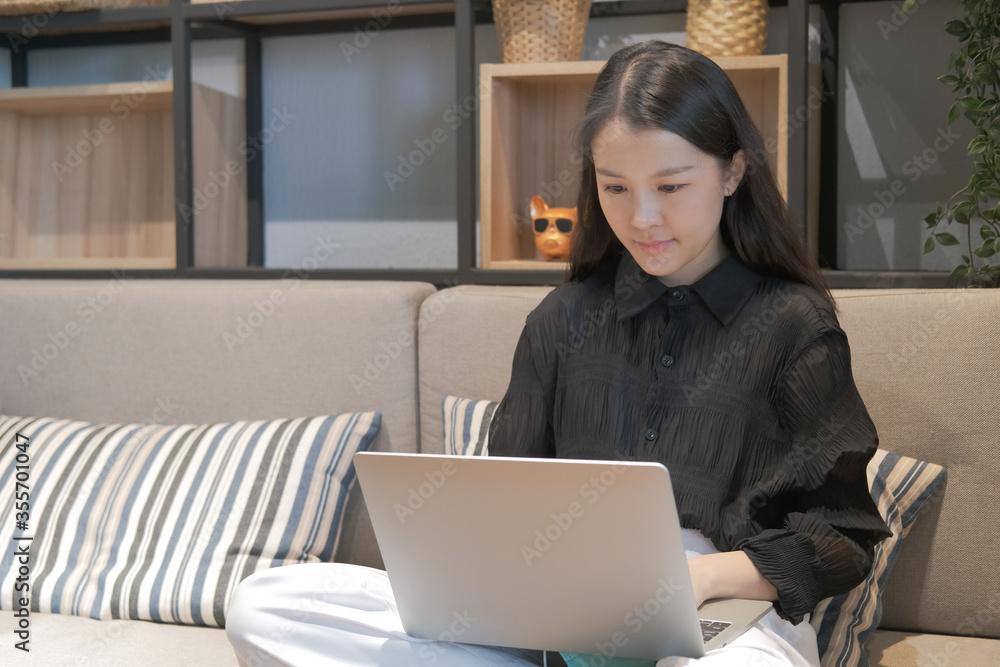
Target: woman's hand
{"x":728,"y":575}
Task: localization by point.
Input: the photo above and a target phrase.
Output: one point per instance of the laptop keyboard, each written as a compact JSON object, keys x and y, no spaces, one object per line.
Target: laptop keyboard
{"x":710,"y":629}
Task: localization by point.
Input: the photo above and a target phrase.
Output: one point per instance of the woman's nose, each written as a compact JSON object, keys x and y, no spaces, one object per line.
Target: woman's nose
{"x":645,"y":213}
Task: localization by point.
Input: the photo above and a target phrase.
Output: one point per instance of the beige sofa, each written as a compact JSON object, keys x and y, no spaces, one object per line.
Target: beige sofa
{"x":925,"y":361}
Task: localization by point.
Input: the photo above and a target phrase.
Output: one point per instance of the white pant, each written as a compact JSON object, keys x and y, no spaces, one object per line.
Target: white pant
{"x":338,"y":615}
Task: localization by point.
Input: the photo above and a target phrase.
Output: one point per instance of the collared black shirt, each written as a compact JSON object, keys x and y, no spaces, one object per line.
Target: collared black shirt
{"x":739,"y":384}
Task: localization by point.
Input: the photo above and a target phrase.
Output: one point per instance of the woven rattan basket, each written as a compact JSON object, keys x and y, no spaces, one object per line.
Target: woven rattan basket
{"x":537,"y":31}
{"x":727,"y":27}
{"x":16,"y":7}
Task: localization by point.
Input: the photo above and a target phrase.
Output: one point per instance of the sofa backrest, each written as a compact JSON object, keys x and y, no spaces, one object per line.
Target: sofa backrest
{"x":200,"y":351}
{"x":926,"y":363}
{"x":467,"y":339}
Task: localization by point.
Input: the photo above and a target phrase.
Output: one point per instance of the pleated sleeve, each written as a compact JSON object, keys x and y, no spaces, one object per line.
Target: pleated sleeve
{"x":819,"y":522}
{"x":522,"y":423}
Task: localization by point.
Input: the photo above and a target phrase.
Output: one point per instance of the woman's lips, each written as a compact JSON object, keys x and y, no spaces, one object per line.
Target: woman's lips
{"x":654,"y":246}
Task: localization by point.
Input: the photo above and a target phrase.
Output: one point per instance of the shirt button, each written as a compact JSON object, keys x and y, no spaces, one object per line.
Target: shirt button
{"x":650,"y":434}
{"x":667,"y":361}
{"x":677,"y":295}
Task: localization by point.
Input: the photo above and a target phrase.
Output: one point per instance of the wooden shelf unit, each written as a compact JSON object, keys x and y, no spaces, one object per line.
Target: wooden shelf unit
{"x":87,"y":177}
{"x":527,"y":118}
{"x":258,"y":20}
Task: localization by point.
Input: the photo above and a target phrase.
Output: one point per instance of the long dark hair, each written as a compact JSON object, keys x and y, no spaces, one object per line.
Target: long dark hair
{"x":655,"y":85}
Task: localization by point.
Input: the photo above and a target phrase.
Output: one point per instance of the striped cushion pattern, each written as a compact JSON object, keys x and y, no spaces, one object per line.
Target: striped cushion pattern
{"x":154,"y":522}
{"x":902,"y":487}
{"x":467,"y":425}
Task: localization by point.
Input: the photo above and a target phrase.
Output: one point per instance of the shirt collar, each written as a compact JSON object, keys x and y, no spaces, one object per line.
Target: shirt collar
{"x":724,"y":290}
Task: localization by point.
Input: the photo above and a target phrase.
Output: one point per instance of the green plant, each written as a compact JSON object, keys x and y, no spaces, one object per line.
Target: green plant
{"x":974,"y":77}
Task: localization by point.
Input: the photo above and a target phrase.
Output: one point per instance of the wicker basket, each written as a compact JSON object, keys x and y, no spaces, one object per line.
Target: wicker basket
{"x":537,"y":31}
{"x":17,"y":7}
{"x":727,"y":27}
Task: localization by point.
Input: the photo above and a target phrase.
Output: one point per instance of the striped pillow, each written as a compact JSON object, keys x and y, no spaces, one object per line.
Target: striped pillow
{"x":467,"y":425}
{"x":902,"y":487}
{"x":152,"y":522}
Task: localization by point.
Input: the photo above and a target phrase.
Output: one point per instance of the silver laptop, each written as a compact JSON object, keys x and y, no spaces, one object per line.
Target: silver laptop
{"x":548,"y":554}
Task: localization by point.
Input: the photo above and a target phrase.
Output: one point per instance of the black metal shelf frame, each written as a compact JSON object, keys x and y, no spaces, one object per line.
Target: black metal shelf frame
{"x":179,"y":22}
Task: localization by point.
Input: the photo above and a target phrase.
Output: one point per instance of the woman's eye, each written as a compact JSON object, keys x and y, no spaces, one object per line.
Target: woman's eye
{"x":614,"y":189}
{"x":670,"y":189}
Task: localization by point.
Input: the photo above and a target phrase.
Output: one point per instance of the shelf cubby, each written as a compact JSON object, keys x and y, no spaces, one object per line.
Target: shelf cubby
{"x":528,"y":116}
{"x":87,"y":177}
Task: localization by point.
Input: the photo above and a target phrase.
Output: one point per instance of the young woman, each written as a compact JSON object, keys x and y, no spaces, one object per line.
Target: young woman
{"x":694,"y":331}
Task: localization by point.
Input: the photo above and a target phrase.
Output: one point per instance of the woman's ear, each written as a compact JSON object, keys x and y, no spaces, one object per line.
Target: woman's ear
{"x":734,"y":172}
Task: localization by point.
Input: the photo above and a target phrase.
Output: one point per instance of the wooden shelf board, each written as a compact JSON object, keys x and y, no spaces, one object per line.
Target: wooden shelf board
{"x":86,"y":263}
{"x":526,"y":265}
{"x":581,"y":71}
{"x":111,"y":98}
{"x":326,"y":14}
{"x":587,"y":70}
{"x":763,"y":63}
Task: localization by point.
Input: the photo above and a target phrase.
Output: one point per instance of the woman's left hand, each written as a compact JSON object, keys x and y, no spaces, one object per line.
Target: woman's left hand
{"x":728,"y":575}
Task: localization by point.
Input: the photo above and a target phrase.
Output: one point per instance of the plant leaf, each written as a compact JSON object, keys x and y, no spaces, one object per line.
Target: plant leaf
{"x":970,"y":103}
{"x":987,"y":232}
{"x":929,"y":244}
{"x":944,"y":238}
{"x":983,"y":251}
{"x":988,"y":106}
{"x":960,"y":271}
{"x":958,"y":29}
{"x":953,"y":113}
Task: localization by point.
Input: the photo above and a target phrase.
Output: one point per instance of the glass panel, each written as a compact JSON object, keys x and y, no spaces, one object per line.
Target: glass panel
{"x":360,"y":168}
{"x":219,"y":151}
{"x":897,"y":154}
{"x":4,"y":68}
{"x":99,"y":64}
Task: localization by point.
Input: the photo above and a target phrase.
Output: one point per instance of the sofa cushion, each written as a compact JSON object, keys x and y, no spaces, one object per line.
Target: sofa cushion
{"x":901,"y":486}
{"x":889,"y":648}
{"x":925,"y":362}
{"x":151,"y":522}
{"x":467,"y":339}
{"x":211,"y":350}
{"x":58,"y":640}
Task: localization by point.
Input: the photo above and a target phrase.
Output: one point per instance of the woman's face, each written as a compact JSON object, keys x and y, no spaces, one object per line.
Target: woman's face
{"x":663,"y":199}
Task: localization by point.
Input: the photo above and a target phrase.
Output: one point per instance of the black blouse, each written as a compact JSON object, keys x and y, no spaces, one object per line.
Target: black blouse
{"x":739,"y":384}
